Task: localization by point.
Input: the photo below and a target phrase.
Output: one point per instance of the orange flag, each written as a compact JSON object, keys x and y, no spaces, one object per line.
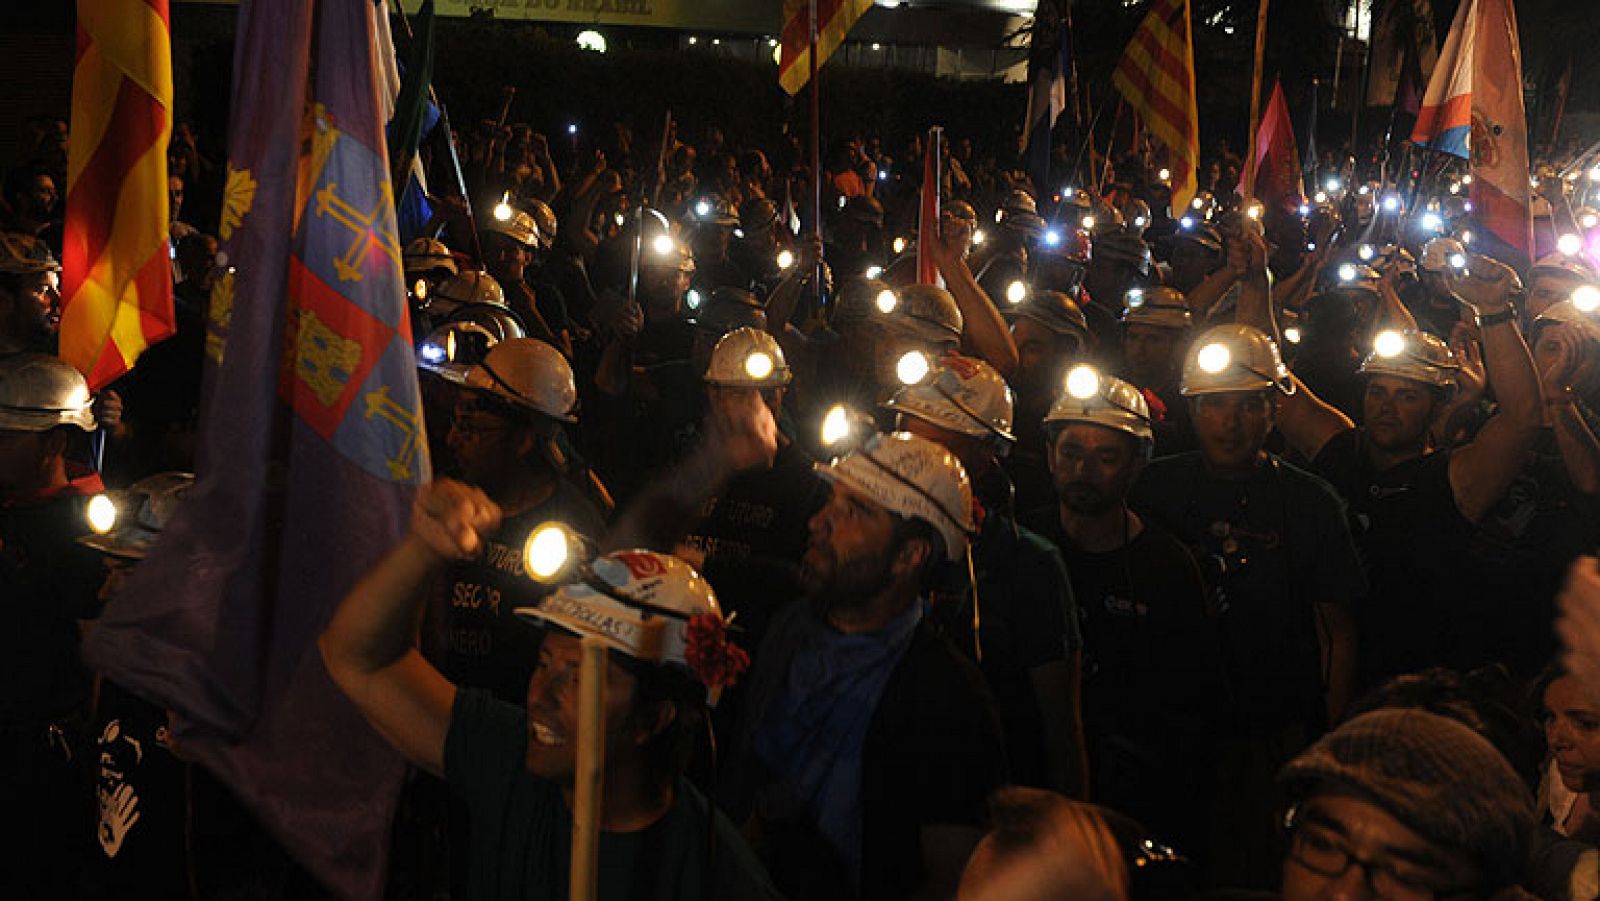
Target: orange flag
{"x":1156,"y":76}
{"x":116,"y":264}
{"x":834,"y":18}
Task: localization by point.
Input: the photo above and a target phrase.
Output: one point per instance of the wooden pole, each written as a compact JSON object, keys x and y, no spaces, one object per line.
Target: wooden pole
{"x":591,"y":767}
{"x":816,"y":155}
{"x":1255,"y":102}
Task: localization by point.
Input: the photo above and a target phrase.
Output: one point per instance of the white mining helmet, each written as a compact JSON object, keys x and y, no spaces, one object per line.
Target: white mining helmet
{"x":527,"y":373}
{"x":1234,"y":357}
{"x":127,"y":523}
{"x":1416,"y":356}
{"x":39,"y":392}
{"x":925,"y":313}
{"x":637,"y":602}
{"x":1090,"y":396}
{"x":960,"y":394}
{"x":747,"y":358}
{"x":1160,"y":307}
{"x":911,"y":477}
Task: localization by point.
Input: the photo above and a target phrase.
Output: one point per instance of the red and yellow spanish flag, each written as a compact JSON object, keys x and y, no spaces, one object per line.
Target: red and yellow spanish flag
{"x":834,"y":18}
{"x":116,"y":264}
{"x":1156,"y":75}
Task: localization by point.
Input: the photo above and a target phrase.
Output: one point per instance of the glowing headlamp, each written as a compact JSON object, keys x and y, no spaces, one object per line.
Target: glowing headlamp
{"x":837,"y":426}
{"x":898,"y":245}
{"x":702,"y":208}
{"x":551,"y":552}
{"x":502,"y":210}
{"x":1083,"y":382}
{"x":1589,"y":220}
{"x":1320,"y":197}
{"x":886,"y":301}
{"x":693,"y":299}
{"x":1087,"y":222}
{"x":1365,"y":252}
{"x":1466,"y":179}
{"x":1389,"y":344}
{"x":1292,"y":334}
{"x":1455,"y":187}
{"x":1347,"y":273}
{"x":785,"y":259}
{"x":1186,"y":222}
{"x":618,"y":219}
{"x":912,"y":368}
{"x":663,"y":244}
{"x":1197,"y":203}
{"x":1305,"y":209}
{"x":1594,"y":174}
{"x":1331,"y":185}
{"x":1016,"y":292}
{"x":1458,"y":261}
{"x":1067,"y":192}
{"x":1391,"y":203}
{"x":1213,"y":358}
{"x":758,"y":365}
{"x":1052,"y":237}
{"x":432,"y":353}
{"x":1134,"y":298}
{"x":1164,"y":175}
{"x":873,"y":271}
{"x":1363,"y":190}
{"x":420,"y":289}
{"x":1569,"y":244}
{"x":1253,"y":211}
{"x":1586,"y":298}
{"x":1466,"y":237}
{"x":978,"y":237}
{"x":1431,"y":222}
{"x":1140,"y":222}
{"x":101,"y":514}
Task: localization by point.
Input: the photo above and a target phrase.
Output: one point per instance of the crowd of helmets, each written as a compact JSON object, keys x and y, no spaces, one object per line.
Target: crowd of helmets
{"x":606,"y":307}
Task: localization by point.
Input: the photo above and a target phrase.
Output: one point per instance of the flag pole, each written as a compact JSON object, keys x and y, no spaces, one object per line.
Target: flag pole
{"x":1255,"y":101}
{"x":587,"y":783}
{"x":816,"y":150}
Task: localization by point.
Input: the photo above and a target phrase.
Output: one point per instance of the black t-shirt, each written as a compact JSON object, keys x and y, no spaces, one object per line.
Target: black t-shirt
{"x":142,"y":800}
{"x":1413,"y":543}
{"x":48,"y":582}
{"x":753,"y":535}
{"x":1150,"y":648}
{"x":1027,"y":620}
{"x":1274,"y":545}
{"x":1520,"y":553}
{"x":485,"y":645}
{"x":521,"y":829}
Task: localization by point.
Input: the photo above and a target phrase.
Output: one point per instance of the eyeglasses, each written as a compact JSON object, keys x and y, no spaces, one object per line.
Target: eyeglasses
{"x":1323,"y":854}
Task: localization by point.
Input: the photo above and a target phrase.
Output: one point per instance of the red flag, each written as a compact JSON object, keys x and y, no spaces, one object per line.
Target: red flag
{"x":116,"y":268}
{"x":928,"y":215}
{"x":1277,"y":159}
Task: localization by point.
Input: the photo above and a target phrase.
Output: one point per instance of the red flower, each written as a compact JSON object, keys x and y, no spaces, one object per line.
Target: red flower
{"x":716,"y":661}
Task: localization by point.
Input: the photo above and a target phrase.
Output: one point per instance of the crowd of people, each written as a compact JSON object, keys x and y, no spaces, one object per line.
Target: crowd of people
{"x":1146,"y":552}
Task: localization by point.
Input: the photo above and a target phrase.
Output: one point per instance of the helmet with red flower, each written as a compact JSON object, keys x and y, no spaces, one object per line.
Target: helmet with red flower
{"x":652,"y":608}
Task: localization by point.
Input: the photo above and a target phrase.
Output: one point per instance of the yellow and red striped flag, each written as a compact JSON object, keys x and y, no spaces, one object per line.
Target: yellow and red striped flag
{"x":834,"y":18}
{"x":1156,"y":75}
{"x":116,"y":264}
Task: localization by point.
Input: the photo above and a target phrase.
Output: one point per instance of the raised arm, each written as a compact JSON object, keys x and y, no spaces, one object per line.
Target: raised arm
{"x":1305,"y":420}
{"x":370,"y":646}
{"x":1482,"y":469}
{"x":986,"y":333}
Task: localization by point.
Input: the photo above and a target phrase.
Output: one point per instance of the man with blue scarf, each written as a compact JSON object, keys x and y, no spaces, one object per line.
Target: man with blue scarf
{"x":871,"y":745}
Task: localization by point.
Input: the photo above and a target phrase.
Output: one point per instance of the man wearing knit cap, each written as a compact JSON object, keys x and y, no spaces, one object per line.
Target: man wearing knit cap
{"x":1403,"y":804}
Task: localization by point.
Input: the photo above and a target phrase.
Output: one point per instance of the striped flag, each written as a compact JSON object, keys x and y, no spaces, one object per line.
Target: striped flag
{"x":1473,"y":109}
{"x":1156,"y":75}
{"x":928,"y":214}
{"x":116,"y":277}
{"x":834,"y":19}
